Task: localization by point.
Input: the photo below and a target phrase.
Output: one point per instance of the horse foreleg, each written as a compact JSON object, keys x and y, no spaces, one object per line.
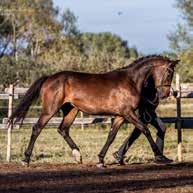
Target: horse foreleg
{"x":157,"y":153}
{"x":161,"y":129}
{"x":119,"y":155}
{"x":112,"y":134}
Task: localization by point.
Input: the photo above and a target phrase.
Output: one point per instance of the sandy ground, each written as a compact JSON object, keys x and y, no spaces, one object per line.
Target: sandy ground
{"x":88,"y":178}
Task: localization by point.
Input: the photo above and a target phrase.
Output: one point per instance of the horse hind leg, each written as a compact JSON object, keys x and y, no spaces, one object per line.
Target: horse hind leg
{"x":36,"y":130}
{"x":69,"y":114}
{"x":47,"y":112}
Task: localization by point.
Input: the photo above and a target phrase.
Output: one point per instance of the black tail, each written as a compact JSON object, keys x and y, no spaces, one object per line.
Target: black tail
{"x":31,"y":95}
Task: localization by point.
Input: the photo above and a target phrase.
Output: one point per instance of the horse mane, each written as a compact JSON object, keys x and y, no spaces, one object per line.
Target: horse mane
{"x":143,"y":60}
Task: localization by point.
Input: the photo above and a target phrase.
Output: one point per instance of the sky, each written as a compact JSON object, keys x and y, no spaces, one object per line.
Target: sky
{"x":145,"y":24}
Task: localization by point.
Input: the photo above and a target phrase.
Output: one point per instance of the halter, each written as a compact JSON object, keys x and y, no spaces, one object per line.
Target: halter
{"x":161,"y":85}
{"x":162,"y":80}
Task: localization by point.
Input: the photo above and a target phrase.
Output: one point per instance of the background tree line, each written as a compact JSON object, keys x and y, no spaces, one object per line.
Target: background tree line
{"x":181,"y":40}
{"x":36,"y":38}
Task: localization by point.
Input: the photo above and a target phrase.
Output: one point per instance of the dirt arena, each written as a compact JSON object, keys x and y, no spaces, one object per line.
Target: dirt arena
{"x":87,"y":178}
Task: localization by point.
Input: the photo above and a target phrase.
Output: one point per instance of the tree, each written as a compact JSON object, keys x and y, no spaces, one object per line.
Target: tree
{"x":41,"y":40}
{"x":32,"y":25}
{"x":103,"y":51}
{"x":181,"y":41}
{"x":33,"y":21}
{"x":185,"y":69}
{"x":69,"y":21}
{"x":91,"y":52}
{"x":5,"y":35}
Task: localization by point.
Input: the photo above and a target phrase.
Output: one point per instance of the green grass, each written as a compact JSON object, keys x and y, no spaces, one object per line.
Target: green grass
{"x":51,"y":147}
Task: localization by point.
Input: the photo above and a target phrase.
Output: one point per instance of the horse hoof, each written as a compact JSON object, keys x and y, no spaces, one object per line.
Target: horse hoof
{"x":101,"y":166}
{"x":118,"y":160}
{"x":77,"y":156}
{"x":24,"y":163}
{"x":162,"y":160}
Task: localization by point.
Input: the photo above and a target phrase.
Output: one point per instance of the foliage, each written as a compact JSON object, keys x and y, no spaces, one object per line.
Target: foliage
{"x":181,"y":41}
{"x":88,"y":52}
{"x":103,"y":51}
{"x":185,"y":68}
{"x":69,"y":21}
{"x":37,"y":39}
{"x":5,"y":33}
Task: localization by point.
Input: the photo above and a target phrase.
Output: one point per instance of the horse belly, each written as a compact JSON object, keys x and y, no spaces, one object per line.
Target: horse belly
{"x":96,"y":107}
{"x":101,"y":103}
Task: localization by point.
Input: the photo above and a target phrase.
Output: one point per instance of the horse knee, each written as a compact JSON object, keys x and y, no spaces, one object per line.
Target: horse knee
{"x":63,"y":132}
{"x":146,"y":132}
{"x":161,"y":125}
{"x":161,"y":134}
{"x":112,"y":134}
{"x":161,"y":131}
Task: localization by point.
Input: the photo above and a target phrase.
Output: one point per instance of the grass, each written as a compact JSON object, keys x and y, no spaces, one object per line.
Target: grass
{"x":51,"y":147}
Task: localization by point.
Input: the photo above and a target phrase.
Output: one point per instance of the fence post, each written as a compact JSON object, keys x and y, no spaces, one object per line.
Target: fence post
{"x":178,"y":123}
{"x":9,"y":129}
{"x":82,"y":124}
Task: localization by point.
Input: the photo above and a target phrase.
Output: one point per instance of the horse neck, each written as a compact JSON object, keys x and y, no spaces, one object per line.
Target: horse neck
{"x":141,"y":76}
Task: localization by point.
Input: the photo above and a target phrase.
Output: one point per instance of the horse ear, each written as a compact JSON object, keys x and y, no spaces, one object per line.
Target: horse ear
{"x":175,"y":62}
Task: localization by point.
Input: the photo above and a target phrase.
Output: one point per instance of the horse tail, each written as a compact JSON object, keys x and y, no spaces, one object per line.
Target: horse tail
{"x":31,"y":96}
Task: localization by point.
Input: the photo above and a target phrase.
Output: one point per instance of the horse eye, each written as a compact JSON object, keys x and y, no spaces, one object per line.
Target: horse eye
{"x":169,"y":76}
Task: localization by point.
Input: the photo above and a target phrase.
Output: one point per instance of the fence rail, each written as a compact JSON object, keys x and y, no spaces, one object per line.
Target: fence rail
{"x":57,"y":121}
{"x":186,"y":122}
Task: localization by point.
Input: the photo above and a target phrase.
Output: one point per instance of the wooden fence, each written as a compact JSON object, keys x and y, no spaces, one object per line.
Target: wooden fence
{"x":182,"y":90}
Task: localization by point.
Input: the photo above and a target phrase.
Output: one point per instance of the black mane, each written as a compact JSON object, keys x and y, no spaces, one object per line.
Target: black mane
{"x":145,"y":60}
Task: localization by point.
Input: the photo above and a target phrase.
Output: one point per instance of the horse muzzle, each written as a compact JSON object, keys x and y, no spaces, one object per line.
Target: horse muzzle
{"x":163,"y":92}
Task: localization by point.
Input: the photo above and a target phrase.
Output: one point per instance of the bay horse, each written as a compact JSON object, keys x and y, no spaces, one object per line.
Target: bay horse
{"x":116,"y":93}
{"x":147,"y":114}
